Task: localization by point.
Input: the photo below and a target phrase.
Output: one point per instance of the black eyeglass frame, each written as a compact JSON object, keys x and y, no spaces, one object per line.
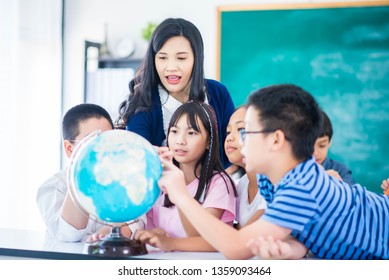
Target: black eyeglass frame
{"x":243,"y":132}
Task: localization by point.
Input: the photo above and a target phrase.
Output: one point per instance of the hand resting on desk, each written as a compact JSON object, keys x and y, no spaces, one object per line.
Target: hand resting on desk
{"x":156,"y":237}
{"x":267,"y":248}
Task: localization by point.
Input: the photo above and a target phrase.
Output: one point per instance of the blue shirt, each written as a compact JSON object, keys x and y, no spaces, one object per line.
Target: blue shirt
{"x":149,"y":124}
{"x":334,"y":220}
{"x":343,"y":171}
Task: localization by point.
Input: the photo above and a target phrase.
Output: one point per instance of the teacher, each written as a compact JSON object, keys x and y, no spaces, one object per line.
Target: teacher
{"x":171,"y":74}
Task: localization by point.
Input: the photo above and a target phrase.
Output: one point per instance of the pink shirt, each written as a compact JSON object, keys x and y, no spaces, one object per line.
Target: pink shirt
{"x":217,"y":197}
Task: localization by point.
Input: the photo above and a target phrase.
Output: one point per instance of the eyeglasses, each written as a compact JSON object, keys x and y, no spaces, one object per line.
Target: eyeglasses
{"x":244,"y":132}
{"x":74,"y":141}
{"x":87,"y":136}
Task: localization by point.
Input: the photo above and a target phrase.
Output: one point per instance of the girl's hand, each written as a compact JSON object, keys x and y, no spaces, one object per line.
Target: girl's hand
{"x":160,"y":231}
{"x":165,"y":153}
{"x":385,"y":186}
{"x":157,"y":238}
{"x":172,"y":180}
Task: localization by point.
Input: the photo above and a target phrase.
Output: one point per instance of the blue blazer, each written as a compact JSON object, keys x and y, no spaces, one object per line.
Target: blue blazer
{"x":149,"y":124}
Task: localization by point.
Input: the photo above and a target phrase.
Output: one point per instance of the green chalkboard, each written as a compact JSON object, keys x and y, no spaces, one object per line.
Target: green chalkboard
{"x":339,"y":54}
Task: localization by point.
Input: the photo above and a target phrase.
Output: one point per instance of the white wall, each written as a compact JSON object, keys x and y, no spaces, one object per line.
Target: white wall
{"x":85,"y":21}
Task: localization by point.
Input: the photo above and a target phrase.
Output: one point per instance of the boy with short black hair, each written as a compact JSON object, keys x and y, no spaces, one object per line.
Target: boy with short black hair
{"x":307,"y":209}
{"x":63,"y":219}
{"x":322,"y":144}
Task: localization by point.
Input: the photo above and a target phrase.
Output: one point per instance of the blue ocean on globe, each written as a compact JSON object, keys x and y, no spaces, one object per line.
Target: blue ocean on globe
{"x":114,"y":176}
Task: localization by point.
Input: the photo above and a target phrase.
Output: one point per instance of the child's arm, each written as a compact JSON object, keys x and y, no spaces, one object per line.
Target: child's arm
{"x":72,"y":214}
{"x":220,"y":201}
{"x":189,"y":228}
{"x":168,"y":244}
{"x":224,"y":238}
{"x":268,"y":248}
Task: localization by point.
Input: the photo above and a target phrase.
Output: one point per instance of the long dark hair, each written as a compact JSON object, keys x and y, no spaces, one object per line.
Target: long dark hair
{"x":209,"y":162}
{"x":146,"y":79}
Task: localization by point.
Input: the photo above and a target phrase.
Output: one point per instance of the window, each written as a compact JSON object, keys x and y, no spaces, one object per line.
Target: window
{"x":30,"y":105}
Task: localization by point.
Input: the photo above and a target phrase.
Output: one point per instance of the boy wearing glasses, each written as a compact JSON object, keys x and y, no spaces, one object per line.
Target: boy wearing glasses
{"x":307,"y":208}
{"x":63,"y":219}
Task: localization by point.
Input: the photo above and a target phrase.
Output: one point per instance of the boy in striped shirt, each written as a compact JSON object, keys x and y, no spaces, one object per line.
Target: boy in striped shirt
{"x":307,"y":208}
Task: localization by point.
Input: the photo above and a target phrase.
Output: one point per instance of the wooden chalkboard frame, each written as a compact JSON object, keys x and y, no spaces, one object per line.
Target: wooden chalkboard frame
{"x":287,"y":6}
{"x":368,"y":157}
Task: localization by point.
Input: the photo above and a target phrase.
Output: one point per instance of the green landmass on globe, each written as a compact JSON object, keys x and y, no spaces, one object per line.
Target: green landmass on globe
{"x":114,"y":176}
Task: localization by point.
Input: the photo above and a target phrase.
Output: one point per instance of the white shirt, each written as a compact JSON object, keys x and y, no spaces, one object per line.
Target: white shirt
{"x":50,"y":198}
{"x":169,"y":106}
{"x":244,"y":209}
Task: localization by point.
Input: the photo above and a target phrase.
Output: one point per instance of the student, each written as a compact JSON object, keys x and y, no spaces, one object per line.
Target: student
{"x":63,"y":219}
{"x":170,"y":75}
{"x":322,"y":144}
{"x":193,"y":140}
{"x":307,"y":208}
{"x":250,"y":204}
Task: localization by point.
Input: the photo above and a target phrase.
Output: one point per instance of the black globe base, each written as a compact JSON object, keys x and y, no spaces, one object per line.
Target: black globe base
{"x":116,"y":245}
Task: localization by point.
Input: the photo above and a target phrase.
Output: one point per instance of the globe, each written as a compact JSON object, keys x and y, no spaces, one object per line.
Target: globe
{"x":113,"y":176}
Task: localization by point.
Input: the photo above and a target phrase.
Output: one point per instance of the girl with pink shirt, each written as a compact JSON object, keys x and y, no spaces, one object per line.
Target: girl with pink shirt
{"x":193,"y":139}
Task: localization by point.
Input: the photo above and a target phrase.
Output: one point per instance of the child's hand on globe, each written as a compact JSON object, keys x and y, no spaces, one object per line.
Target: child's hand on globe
{"x":165,"y":153}
{"x":172,"y":181}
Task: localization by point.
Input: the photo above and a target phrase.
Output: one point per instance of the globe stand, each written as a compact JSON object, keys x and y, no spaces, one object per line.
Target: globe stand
{"x":116,"y":245}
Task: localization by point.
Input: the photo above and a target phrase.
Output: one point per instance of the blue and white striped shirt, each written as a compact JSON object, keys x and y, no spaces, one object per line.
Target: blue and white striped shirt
{"x":334,"y":220}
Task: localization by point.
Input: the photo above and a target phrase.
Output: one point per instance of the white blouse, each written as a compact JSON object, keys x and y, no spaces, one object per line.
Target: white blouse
{"x":169,"y":106}
{"x":244,"y":209}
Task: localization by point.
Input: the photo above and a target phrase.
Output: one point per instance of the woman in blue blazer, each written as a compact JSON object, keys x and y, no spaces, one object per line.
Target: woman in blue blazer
{"x":172,"y":73}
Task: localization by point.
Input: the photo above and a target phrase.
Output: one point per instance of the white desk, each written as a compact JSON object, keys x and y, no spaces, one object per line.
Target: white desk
{"x":17,"y":243}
